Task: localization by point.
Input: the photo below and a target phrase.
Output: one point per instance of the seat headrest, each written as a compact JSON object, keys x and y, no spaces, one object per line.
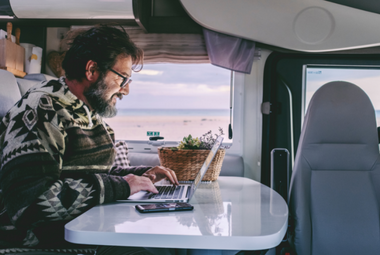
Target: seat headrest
{"x":340,"y":126}
{"x":341,"y":112}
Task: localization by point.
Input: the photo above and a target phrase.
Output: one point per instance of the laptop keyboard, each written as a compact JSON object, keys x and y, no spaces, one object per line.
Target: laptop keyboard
{"x":168,"y":192}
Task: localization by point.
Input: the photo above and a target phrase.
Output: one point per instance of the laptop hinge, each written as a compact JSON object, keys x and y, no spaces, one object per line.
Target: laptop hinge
{"x":188,"y":191}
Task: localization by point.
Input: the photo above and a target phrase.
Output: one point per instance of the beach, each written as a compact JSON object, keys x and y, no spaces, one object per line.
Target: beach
{"x":172,"y":128}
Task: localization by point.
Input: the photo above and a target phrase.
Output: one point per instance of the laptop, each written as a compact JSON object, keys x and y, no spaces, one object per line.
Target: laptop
{"x":180,"y":193}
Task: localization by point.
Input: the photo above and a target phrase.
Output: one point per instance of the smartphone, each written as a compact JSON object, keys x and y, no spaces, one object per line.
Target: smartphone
{"x":164,"y":207}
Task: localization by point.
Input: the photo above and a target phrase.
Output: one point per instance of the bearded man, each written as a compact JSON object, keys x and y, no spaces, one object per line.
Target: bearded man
{"x":58,"y":155}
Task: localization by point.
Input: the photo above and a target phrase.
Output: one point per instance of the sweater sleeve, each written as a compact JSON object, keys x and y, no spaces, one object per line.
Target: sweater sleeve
{"x":34,"y":188}
{"x":136,"y":170}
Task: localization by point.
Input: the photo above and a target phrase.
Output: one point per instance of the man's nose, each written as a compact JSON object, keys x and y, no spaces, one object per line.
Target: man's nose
{"x":125,"y":90}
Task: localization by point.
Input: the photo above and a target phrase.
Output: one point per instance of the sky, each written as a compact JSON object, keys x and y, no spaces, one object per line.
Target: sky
{"x":204,"y":86}
{"x":366,"y":79}
{"x":178,"y":86}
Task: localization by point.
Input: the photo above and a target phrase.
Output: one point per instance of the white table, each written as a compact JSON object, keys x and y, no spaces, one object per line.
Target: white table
{"x":233,"y":213}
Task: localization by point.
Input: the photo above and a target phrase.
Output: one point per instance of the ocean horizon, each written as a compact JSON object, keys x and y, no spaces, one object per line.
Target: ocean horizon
{"x":173,"y":112}
{"x":183,"y":112}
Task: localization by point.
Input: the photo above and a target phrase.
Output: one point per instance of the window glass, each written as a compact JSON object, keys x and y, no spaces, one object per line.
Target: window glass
{"x":367,"y":79}
{"x":175,"y":100}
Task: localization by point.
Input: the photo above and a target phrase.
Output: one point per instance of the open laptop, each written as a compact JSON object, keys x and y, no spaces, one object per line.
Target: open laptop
{"x":180,"y":193}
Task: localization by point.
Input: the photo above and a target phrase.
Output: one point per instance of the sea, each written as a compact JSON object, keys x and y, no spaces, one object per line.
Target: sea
{"x":187,"y":112}
{"x":173,"y":112}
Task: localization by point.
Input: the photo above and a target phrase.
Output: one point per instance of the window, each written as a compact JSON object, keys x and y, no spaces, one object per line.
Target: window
{"x":174,"y":100}
{"x":367,"y":79}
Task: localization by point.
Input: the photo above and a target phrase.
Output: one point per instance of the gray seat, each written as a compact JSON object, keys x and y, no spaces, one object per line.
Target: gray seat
{"x":12,"y":88}
{"x":335,"y":188}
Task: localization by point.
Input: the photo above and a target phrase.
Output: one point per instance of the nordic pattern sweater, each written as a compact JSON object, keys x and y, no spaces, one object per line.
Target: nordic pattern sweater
{"x":56,"y":162}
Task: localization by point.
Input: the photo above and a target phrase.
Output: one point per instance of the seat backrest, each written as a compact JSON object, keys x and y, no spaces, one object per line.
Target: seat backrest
{"x":24,"y":85}
{"x":335,"y":186}
{"x":12,"y":88}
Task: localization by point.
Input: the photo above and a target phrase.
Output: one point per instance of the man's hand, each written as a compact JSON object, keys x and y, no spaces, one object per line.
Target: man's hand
{"x":158,"y":173}
{"x":138,"y":183}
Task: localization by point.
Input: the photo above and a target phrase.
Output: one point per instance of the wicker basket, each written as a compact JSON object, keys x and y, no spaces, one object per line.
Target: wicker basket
{"x":187,"y":163}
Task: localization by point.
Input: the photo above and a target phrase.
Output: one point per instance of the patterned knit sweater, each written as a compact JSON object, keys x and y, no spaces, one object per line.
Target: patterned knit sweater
{"x":56,"y":162}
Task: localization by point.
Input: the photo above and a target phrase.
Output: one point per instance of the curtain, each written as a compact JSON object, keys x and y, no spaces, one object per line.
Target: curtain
{"x":230,"y":52}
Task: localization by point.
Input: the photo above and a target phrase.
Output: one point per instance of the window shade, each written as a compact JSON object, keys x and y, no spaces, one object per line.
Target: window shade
{"x":170,"y":48}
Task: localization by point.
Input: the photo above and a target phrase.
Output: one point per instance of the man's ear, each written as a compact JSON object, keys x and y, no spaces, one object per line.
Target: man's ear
{"x":92,"y":73}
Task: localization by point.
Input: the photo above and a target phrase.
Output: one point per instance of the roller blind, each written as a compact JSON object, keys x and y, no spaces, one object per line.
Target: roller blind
{"x":170,"y":48}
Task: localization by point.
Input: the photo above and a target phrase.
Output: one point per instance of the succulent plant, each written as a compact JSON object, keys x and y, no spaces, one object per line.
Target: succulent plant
{"x":189,"y":143}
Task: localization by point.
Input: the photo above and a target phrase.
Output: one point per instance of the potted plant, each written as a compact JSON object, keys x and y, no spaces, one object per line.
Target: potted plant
{"x":188,"y":157}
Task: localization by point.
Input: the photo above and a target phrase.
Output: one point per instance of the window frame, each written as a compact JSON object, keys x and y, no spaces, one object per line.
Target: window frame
{"x":337,"y":66}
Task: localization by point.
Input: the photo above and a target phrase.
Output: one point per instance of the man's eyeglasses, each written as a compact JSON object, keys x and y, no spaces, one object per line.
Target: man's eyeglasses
{"x":126,"y":80}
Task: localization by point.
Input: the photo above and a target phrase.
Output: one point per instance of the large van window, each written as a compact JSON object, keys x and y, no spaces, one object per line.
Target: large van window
{"x":366,"y":79}
{"x":173,"y":101}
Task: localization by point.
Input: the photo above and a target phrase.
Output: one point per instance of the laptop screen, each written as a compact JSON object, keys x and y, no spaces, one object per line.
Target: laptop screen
{"x":206,"y":164}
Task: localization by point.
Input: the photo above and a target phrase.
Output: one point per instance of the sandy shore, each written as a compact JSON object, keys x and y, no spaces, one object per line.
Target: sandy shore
{"x":173,"y":128}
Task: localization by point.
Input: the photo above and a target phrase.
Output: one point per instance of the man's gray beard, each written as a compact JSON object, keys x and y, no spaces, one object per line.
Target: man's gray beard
{"x":94,"y":96}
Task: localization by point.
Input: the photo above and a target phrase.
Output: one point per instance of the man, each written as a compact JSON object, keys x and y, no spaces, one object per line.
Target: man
{"x":57,"y":154}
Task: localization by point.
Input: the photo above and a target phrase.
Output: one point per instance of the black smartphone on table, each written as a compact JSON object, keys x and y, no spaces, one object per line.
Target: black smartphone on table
{"x":164,"y":207}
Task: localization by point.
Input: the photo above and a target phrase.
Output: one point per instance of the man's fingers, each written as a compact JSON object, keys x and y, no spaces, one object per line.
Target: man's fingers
{"x":152,"y":177}
{"x":161,"y":172}
{"x":138,"y":183}
{"x":172,"y":176}
{"x":152,"y":189}
{"x":147,"y":185}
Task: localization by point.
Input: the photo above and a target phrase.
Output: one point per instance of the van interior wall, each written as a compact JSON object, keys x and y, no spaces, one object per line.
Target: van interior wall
{"x":252,"y":120}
